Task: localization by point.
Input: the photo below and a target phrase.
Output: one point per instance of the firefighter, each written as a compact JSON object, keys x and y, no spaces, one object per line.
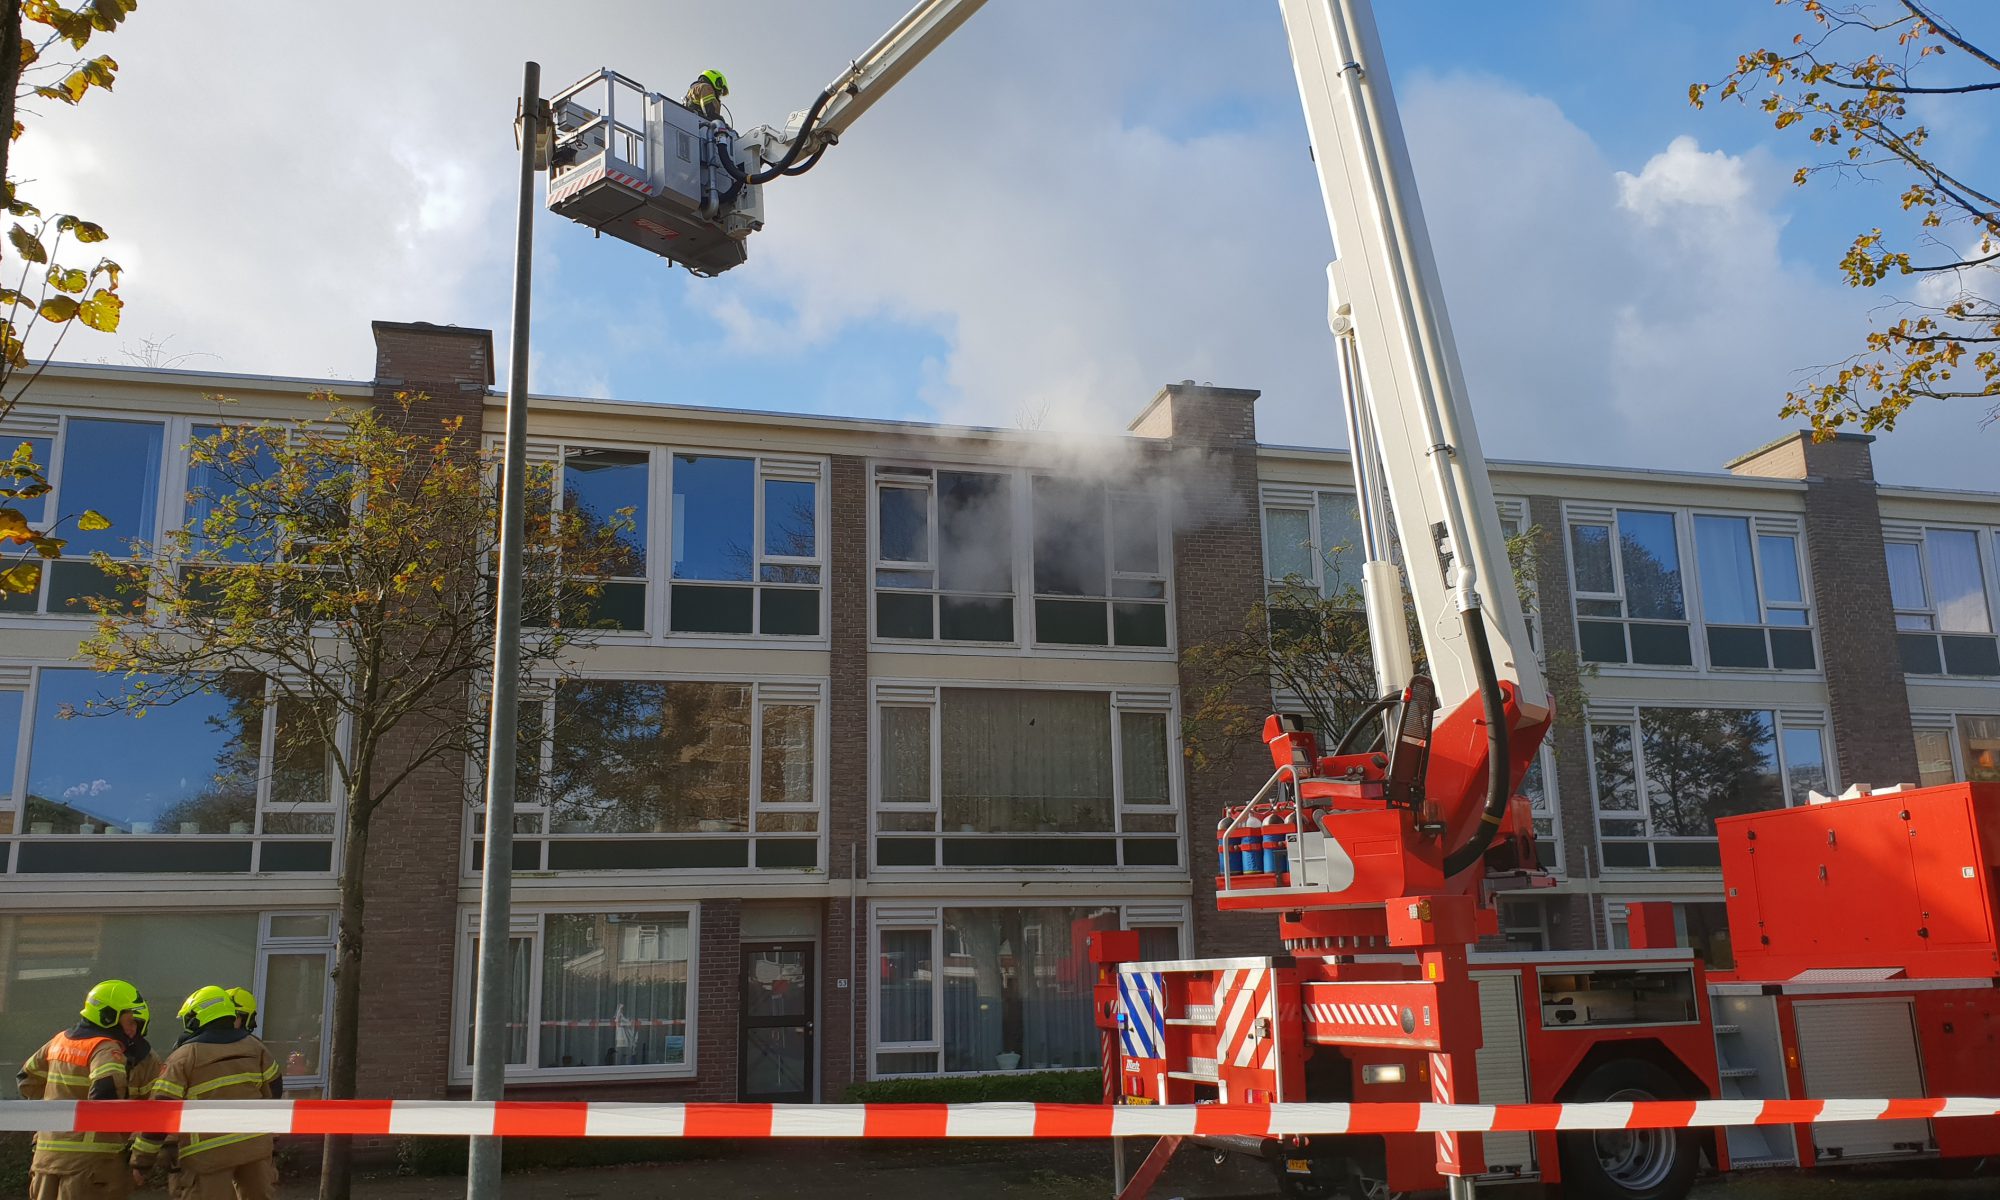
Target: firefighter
{"x":87,"y":1062}
{"x":705,"y":94}
{"x":246,"y":1008}
{"x":221,"y":1061}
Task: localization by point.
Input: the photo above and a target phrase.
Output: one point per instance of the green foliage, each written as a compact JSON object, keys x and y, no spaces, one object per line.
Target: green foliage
{"x":46,"y":293}
{"x":1845,"y":84}
{"x":1044,"y":1087}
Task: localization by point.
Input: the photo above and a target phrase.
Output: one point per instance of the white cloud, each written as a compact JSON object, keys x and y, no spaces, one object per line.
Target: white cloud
{"x":1683,"y":177}
{"x":78,"y":791}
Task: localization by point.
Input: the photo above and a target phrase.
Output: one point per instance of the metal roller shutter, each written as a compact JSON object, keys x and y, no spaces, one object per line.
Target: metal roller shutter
{"x":1862,"y":1050}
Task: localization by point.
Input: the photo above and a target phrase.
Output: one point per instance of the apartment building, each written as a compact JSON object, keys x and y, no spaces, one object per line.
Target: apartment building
{"x":891,"y":717}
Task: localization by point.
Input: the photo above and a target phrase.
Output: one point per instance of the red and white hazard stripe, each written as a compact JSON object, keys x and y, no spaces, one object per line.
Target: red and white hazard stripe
{"x":559,"y":1118}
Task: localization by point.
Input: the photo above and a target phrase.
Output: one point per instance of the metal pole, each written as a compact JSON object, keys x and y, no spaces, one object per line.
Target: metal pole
{"x":489,"y":1022}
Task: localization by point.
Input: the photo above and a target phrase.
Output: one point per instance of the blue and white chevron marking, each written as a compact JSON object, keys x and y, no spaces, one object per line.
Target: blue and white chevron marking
{"x":1142,"y":1000}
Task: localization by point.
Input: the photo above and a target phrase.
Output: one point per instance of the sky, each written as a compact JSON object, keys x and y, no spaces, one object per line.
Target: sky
{"x":1067,"y":206}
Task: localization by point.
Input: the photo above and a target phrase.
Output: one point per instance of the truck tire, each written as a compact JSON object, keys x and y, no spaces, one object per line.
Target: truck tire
{"x":1637,"y":1164}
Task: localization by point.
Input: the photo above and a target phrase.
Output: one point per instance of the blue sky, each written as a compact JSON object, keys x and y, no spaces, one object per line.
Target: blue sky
{"x":1069,"y":205}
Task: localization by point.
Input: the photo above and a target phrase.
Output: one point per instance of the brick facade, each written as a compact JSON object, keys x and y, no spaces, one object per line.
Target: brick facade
{"x":1571,"y":916}
{"x":844,"y":1010}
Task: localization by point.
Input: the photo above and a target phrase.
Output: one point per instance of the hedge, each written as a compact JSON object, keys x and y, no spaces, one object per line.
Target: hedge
{"x":1047,"y":1087}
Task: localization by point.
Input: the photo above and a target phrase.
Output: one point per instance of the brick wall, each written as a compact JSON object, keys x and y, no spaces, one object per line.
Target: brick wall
{"x":1866,"y":692}
{"x":413,"y":860}
{"x":844,"y":1010}
{"x":1209,"y":437}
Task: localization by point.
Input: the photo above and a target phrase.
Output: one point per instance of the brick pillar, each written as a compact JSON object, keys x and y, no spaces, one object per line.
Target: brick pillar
{"x":843,"y":1011}
{"x":1209,"y":437}
{"x":413,"y":855}
{"x":718,"y":1000}
{"x":1857,"y":623}
{"x":1569,"y":739}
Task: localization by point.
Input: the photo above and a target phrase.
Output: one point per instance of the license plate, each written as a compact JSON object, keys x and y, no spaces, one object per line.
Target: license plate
{"x":1298,"y":1166}
{"x":1138,"y":1099}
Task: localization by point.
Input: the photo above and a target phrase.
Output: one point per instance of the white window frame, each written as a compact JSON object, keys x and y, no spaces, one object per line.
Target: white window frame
{"x":1629,"y":713}
{"x":765,"y":468}
{"x":32,"y":424}
{"x":1759,"y":526}
{"x":764,"y":690}
{"x":928,"y":695}
{"x":271,"y":946}
{"x":1948,"y":724}
{"x":928,"y":916}
{"x":905,"y":477}
{"x":1986,"y":545}
{"x":1299,"y":498}
{"x":529,"y":921}
{"x":1162,"y":540}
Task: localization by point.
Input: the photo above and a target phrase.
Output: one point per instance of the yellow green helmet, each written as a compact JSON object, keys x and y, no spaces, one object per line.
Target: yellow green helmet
{"x":246,"y":1005}
{"x":717,"y":81}
{"x":204,"y":1007}
{"x":103,"y":1004}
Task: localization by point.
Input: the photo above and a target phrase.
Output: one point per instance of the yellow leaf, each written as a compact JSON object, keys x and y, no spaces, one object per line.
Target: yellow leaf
{"x":21,"y":579}
{"x":100,"y":312}
{"x":27,"y":245}
{"x":92,"y":521}
{"x":58,"y":308}
{"x":13,"y":526}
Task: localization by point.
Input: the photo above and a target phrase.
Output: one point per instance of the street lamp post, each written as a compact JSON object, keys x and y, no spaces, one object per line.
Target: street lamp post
{"x":489,"y":1022}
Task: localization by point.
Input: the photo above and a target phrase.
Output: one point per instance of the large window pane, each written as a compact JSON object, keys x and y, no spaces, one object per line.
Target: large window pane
{"x":1017,"y":983}
{"x":647,"y":757}
{"x":1021,"y":761}
{"x":1958,"y":585}
{"x":112,"y":467}
{"x":189,"y":767}
{"x":11,"y":706}
{"x":1906,"y":579}
{"x":903,"y":524}
{"x":1704,"y":763}
{"x":614,"y":989}
{"x":1590,"y":551}
{"x":1980,"y":737}
{"x":1340,"y":549}
{"x":1287,"y":543}
{"x":790,"y":518}
{"x":1805,"y":764}
{"x":1143,"y":745}
{"x":1728,"y":573}
{"x":1613,"y":769}
{"x":1650,"y":556}
{"x":300,"y":770}
{"x":1934,"y":763}
{"x":1069,"y":538}
{"x":608,"y":489}
{"x":714,"y":510}
{"x":976,"y":519}
{"x":1779,"y":556}
{"x":904,"y":990}
{"x":49,"y":960}
{"x":218,"y":519}
{"x":906,"y":755}
{"x":788,"y":754}
{"x":1135,"y":536}
{"x":291,"y":1017}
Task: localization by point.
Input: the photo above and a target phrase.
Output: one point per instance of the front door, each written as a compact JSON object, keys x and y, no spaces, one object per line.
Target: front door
{"x":776,"y":1054}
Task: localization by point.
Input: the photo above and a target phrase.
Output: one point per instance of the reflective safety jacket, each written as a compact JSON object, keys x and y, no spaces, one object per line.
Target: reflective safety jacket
{"x":85,"y":1063}
{"x":216,"y":1064}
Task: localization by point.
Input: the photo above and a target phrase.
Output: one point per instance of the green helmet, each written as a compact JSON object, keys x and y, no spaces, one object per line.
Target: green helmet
{"x":205,"y":1007}
{"x":246,"y":1006}
{"x":717,"y":81}
{"x":103,"y":1004}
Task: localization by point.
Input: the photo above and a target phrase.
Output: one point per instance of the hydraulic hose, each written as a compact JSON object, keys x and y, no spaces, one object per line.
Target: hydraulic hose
{"x":1368,"y":714}
{"x":783,"y":165}
{"x":1499,"y":765}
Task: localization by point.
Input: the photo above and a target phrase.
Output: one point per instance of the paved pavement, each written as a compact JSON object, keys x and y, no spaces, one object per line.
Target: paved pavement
{"x":1049,"y":1171}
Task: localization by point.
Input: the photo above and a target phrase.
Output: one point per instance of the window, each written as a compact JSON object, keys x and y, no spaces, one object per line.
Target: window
{"x":1630,"y":604}
{"x":594,"y":994}
{"x":293,"y":997}
{"x":996,"y":989}
{"x":112,"y":468}
{"x":1100,"y":566}
{"x":1938,"y":581}
{"x":1313,"y":537}
{"x":1699,"y":925}
{"x":609,"y":491}
{"x":944,"y":560}
{"x":1977,"y":757}
{"x":746,"y":546}
{"x":1021,"y":777}
{"x":652,"y":774}
{"x":234,"y":779}
{"x":1753,"y":593}
{"x":50,"y":959}
{"x":1524,"y":925}
{"x":1538,"y":785}
{"x":1662,"y":776}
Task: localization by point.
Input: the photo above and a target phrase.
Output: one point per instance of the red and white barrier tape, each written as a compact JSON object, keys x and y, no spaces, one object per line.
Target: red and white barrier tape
{"x":558,"y":1118}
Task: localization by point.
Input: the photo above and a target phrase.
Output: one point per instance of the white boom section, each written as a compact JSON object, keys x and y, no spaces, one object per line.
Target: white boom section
{"x":881,"y":67}
{"x":1412,"y":393}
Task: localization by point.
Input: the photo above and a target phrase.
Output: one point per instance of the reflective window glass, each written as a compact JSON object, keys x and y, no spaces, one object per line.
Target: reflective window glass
{"x":787,"y":760}
{"x":1805,"y":764}
{"x":1934,"y":763}
{"x":1340,"y":549}
{"x":1590,"y":551}
{"x":32,"y":508}
{"x":905,"y":988}
{"x":1779,"y":556}
{"x":112,"y":467}
{"x":1958,"y":584}
{"x":634,"y":756}
{"x":1069,"y":539}
{"x":903,"y":524}
{"x":1906,"y":578}
{"x":790,"y":518}
{"x":1143,"y":748}
{"x":714,"y":510}
{"x":1023,"y":761}
{"x":1980,"y":737}
{"x":1701,"y":764}
{"x":976,"y":535}
{"x":609,"y":489}
{"x":1287,"y":543}
{"x":614,"y":990}
{"x":1728,"y":572}
{"x":1650,"y":556}
{"x":1016,"y":988}
{"x":219,"y":518}
{"x":906,"y":755}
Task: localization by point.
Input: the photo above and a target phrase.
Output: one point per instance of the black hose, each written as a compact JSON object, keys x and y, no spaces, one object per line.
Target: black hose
{"x":783,"y":165}
{"x":1499,"y":766}
{"x":1373,"y":710}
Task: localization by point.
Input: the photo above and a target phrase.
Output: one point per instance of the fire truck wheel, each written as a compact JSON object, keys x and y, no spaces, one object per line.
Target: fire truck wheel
{"x":1635,"y":1164}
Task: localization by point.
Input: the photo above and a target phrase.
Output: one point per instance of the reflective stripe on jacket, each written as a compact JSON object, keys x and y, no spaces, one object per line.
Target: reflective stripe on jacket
{"x":83,"y":1063}
{"x":216,"y":1064}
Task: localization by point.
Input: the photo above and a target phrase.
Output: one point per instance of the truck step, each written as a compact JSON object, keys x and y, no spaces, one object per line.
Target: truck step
{"x":1722,"y":1029}
{"x":1753,"y":1164}
{"x":1737,"y":1072}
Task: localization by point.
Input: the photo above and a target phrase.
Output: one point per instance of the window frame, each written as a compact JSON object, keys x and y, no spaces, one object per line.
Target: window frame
{"x":54,"y":427}
{"x":928,"y":916}
{"x":929,"y":696}
{"x":1986,"y":548}
{"x":532,"y":920}
{"x":765,"y":690}
{"x":894,"y":476}
{"x":764,"y":468}
{"x":1111,"y":492}
{"x":1952,"y":727}
{"x":269,"y":946}
{"x":1631,"y":715}
{"x":1758,"y":526}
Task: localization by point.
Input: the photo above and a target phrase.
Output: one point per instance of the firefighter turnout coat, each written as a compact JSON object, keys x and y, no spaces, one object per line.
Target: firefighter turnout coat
{"x":218,"y":1063}
{"x":83,"y":1063}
